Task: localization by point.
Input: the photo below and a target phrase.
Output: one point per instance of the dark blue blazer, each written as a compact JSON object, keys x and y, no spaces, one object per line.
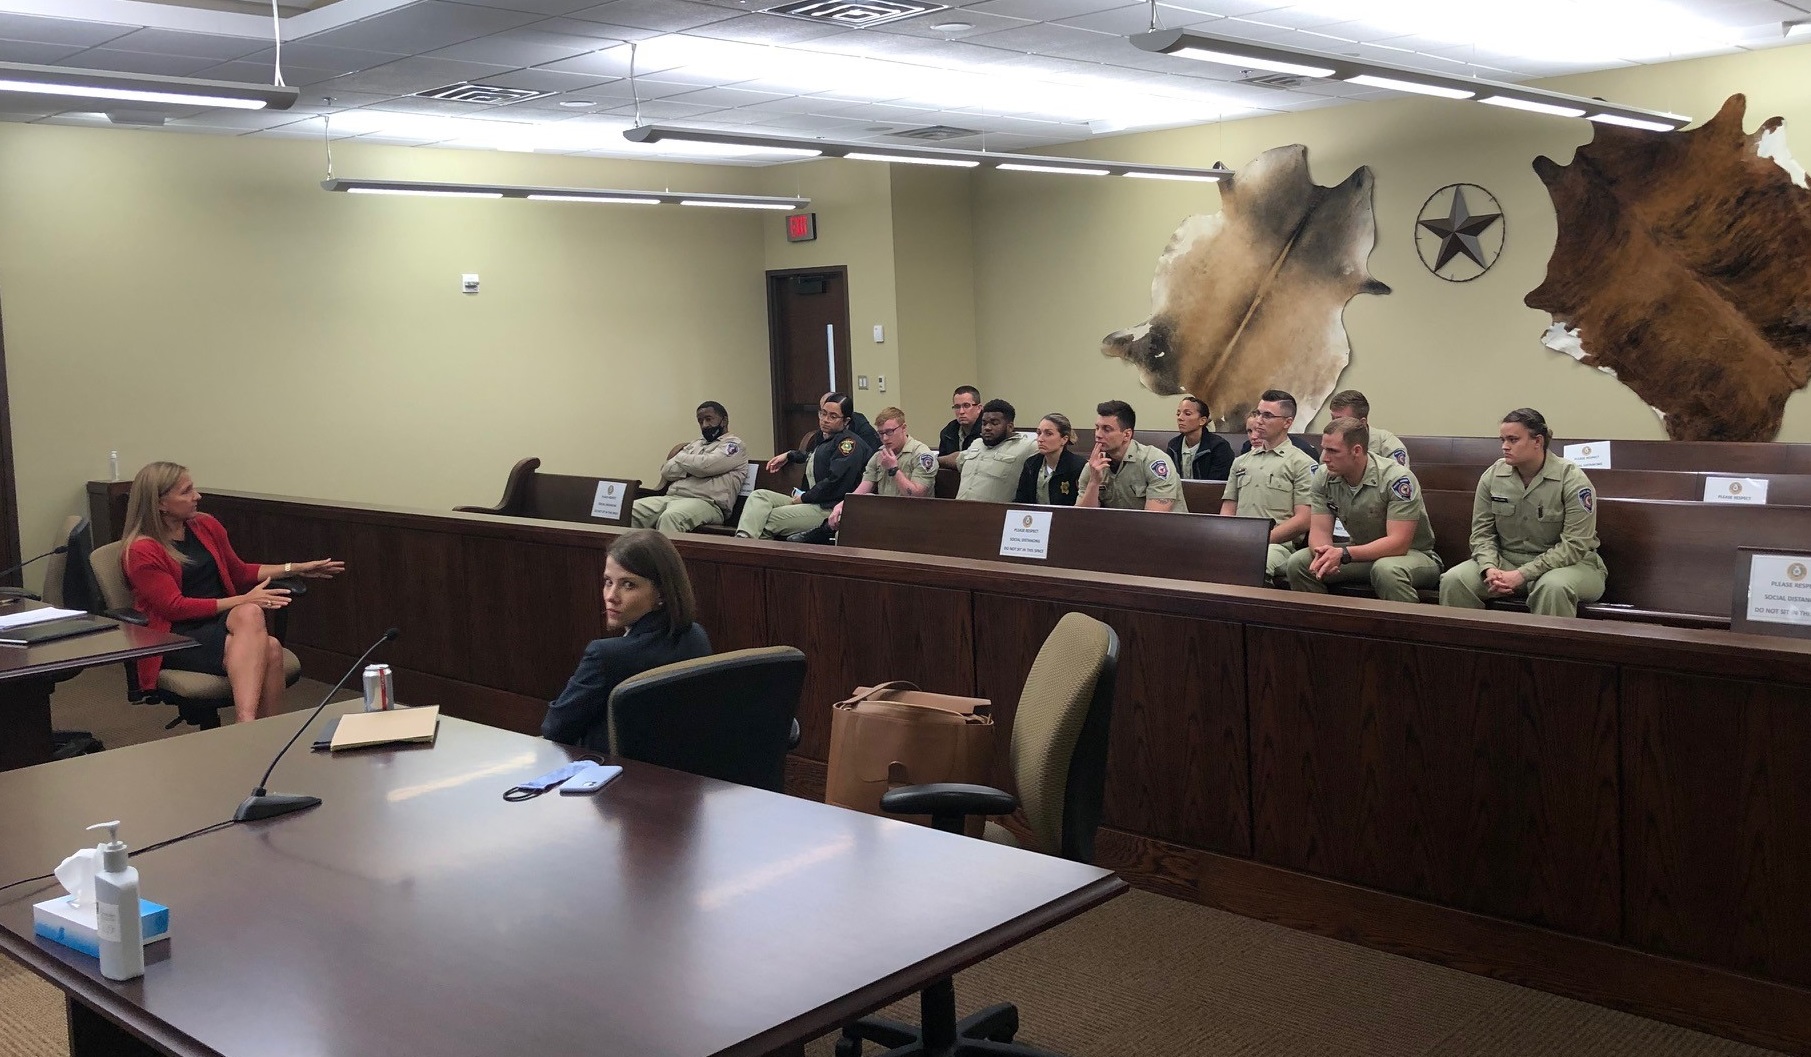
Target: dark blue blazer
{"x":580,"y":715}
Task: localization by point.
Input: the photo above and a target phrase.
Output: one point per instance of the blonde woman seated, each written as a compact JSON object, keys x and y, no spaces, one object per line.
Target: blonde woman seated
{"x":187,"y":579}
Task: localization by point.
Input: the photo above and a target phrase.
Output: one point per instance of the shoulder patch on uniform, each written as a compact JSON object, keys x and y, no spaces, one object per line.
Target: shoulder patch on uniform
{"x":1160,"y":467}
{"x":731,"y":449}
{"x":847,"y":446}
{"x":1401,"y":456}
{"x":1404,"y":487}
{"x":926,"y":461}
{"x":1584,"y":499}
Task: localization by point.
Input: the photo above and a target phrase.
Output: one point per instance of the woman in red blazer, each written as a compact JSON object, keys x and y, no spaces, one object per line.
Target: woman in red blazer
{"x":186,"y":578}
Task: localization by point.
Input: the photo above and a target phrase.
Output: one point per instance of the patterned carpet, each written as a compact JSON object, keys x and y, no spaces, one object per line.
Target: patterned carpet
{"x":1142,"y":975}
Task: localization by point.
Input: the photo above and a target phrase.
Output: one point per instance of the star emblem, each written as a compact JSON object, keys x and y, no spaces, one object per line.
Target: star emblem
{"x":1459,"y":231}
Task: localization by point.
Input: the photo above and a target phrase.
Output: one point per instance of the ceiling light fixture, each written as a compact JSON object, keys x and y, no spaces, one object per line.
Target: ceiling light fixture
{"x":1795,"y":29}
{"x":558,"y":194}
{"x":1630,"y":122}
{"x":1242,"y":54}
{"x":143,"y":87}
{"x":967,"y":159}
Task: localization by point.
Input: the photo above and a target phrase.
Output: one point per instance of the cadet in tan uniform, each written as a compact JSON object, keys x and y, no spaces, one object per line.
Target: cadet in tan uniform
{"x":991,"y":464}
{"x":1533,"y":528}
{"x":1380,"y":503}
{"x":703,"y":478}
{"x":1275,"y":483}
{"x":904,"y":465}
{"x":1125,"y":474}
{"x":1350,"y":403}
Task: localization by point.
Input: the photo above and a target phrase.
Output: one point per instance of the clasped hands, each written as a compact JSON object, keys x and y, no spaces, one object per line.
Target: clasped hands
{"x":1503,"y":581}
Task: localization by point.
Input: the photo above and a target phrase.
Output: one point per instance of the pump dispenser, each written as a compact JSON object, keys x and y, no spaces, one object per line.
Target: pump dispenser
{"x":117,"y":913}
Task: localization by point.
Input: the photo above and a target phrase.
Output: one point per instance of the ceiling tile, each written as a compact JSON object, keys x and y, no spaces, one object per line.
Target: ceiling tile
{"x":33,"y":52}
{"x":765,"y":29}
{"x":1041,"y":10}
{"x":1047,"y":39}
{"x":407,"y":76}
{"x":668,"y":16}
{"x":325,"y":57}
{"x":422,"y":27}
{"x":522,"y":47}
{"x":1122,"y":21}
{"x":925,"y":25}
{"x":610,"y":62}
{"x":137,"y":62}
{"x":726,"y":97}
{"x":538,"y":7}
{"x":59,"y":30}
{"x":195,"y":45}
{"x":599,"y":30}
{"x":545,"y":80}
{"x":261,"y":73}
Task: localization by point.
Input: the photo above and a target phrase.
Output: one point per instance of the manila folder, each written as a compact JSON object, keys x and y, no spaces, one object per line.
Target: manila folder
{"x":359,"y":729}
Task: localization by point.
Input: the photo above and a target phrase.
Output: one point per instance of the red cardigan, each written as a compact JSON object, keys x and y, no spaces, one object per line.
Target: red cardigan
{"x":156,"y":580}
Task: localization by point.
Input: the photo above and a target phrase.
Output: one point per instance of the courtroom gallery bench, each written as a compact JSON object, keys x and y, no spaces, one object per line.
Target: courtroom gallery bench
{"x":528,"y":492}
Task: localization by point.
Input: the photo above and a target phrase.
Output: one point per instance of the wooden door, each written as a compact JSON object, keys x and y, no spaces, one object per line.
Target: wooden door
{"x":9,"y":503}
{"x":808,"y":339}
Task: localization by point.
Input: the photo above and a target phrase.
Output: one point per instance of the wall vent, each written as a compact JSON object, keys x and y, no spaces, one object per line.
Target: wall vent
{"x":933,"y":133}
{"x":855,"y":14}
{"x":1282,"y":82}
{"x":467,"y":92}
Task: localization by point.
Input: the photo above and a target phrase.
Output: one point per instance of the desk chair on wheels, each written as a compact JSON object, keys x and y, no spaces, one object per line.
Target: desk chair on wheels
{"x":198,"y":696}
{"x":1059,"y":762}
{"x":729,"y":716}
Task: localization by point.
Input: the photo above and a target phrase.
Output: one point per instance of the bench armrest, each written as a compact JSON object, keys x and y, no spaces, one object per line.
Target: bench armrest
{"x":128,"y":616}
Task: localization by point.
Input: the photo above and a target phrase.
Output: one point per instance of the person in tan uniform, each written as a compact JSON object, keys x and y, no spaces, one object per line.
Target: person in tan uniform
{"x":1272,"y":482}
{"x":703,"y":478}
{"x":991,"y":465}
{"x":1125,"y":474}
{"x":904,"y":465}
{"x":1533,"y":528}
{"x":1350,"y":403}
{"x":1380,"y":503}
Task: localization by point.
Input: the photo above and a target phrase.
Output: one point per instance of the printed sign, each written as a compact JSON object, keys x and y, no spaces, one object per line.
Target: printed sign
{"x":1591,"y":455}
{"x":1779,"y":589}
{"x":608,"y":503}
{"x":1735,"y":490}
{"x":748,"y":479}
{"x":1026,"y":534}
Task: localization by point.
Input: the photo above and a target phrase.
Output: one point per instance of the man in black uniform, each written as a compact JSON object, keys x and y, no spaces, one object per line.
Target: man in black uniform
{"x":961,"y":430}
{"x":832,"y":470}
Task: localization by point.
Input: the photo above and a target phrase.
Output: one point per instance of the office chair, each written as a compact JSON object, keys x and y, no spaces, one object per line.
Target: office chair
{"x":729,"y":716}
{"x":198,"y":697}
{"x":1059,"y":762}
{"x":63,"y":589}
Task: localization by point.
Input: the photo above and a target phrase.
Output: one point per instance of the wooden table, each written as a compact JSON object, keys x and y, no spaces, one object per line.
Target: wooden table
{"x":415,"y":912}
{"x":28,"y":674}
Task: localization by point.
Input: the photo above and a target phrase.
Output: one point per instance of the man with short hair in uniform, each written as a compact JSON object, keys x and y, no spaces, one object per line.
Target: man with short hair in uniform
{"x":903,"y":465}
{"x":1380,"y":503}
{"x":991,"y":465}
{"x":832,"y":470}
{"x":703,"y":478}
{"x":1276,"y":414}
{"x":1124,"y":473}
{"x":1275,"y":483}
{"x":962,"y":430}
{"x":1350,"y":403}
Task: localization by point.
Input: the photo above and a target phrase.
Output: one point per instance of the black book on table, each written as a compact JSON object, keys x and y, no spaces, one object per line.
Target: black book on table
{"x":51,"y":630}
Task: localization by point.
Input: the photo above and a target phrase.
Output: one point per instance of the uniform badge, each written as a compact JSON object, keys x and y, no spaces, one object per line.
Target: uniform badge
{"x":1584,"y":499}
{"x":1401,"y":456}
{"x":730,"y":449}
{"x":926,"y":460}
{"x":1160,"y":468}
{"x":1062,"y":487}
{"x":847,"y":447}
{"x":1404,"y":487}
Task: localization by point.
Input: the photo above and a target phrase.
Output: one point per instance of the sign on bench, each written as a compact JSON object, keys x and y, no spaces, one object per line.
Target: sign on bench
{"x":1772,"y":592}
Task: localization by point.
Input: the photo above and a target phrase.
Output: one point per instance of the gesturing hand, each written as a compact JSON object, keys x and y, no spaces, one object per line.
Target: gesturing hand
{"x":265,"y":596}
{"x":774,"y":464}
{"x":323,"y":569}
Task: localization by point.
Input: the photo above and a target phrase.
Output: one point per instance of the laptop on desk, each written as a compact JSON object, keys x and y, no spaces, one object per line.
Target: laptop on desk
{"x":51,"y":630}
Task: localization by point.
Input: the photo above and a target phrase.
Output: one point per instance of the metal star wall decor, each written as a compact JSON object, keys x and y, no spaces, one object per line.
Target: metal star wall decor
{"x":1455,"y":243}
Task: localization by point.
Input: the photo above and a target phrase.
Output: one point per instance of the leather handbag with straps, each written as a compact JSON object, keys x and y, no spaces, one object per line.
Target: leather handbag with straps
{"x":894,"y":734}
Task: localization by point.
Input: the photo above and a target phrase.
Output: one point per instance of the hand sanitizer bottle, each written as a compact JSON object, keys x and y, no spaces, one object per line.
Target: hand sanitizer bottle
{"x":118,"y":924}
{"x":113,"y":466}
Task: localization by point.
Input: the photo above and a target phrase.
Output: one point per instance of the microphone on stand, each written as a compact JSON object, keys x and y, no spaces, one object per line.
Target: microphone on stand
{"x":263,"y":804}
{"x":20,"y":592}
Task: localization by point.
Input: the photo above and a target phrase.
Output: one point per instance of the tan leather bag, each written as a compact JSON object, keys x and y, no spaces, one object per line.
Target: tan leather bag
{"x":895,"y":735}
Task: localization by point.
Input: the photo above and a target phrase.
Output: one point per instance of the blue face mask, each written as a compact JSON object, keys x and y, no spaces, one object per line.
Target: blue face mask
{"x":536,"y":786}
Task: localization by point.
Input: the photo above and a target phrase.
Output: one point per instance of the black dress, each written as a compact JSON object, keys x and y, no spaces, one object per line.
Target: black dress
{"x":200,"y":579}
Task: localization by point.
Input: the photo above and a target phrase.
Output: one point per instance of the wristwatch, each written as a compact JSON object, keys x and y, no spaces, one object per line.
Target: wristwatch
{"x":892,"y":471}
{"x":1345,"y":555}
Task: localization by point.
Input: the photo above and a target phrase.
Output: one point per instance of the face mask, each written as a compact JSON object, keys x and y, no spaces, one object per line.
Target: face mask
{"x":711,"y":433}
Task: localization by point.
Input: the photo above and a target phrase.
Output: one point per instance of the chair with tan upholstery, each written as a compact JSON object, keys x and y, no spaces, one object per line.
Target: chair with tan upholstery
{"x":1058,"y":756}
{"x":198,"y":697}
{"x":729,"y":716}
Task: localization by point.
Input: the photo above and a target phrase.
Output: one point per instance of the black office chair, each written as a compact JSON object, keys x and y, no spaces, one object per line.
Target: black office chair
{"x":66,"y":582}
{"x":729,"y":716}
{"x":1059,"y":762}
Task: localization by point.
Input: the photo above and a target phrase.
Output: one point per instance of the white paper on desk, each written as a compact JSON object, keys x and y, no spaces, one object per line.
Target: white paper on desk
{"x":1735,"y":490}
{"x":1592,"y":455}
{"x":36,"y":616}
{"x":608,"y":504}
{"x":1026,"y":534}
{"x":1779,"y":589}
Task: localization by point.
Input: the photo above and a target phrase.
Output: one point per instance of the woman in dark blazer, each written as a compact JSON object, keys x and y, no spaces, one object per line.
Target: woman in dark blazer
{"x":1052,"y":475}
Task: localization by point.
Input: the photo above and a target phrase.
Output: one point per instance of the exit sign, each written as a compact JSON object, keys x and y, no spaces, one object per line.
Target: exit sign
{"x":801,"y":227}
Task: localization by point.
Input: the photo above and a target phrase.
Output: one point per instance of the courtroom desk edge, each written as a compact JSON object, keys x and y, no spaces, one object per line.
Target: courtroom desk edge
{"x":1643,"y":645}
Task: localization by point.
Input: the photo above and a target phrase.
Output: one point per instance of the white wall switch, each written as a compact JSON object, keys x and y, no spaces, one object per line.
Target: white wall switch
{"x":861,"y":381}
{"x":468,"y":283}
{"x":880,"y":334}
{"x":882,"y":379}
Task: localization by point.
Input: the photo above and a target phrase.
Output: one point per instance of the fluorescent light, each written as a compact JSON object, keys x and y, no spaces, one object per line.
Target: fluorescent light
{"x":909,"y":160}
{"x":1067,"y":169}
{"x":594,"y":198}
{"x":1794,"y":29}
{"x":129,"y":95}
{"x":1227,"y":58}
{"x":1396,"y":85}
{"x":734,"y":205}
{"x":143,"y":88}
{"x":1634,"y":122}
{"x":422,"y":192}
{"x":1533,"y":107}
{"x":1171,"y":176}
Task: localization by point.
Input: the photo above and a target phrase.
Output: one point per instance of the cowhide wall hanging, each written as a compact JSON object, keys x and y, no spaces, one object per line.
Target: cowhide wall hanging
{"x":1683,"y":268}
{"x":1251,"y":298}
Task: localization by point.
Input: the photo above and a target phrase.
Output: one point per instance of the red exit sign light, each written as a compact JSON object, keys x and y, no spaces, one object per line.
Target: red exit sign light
{"x":801,"y":227}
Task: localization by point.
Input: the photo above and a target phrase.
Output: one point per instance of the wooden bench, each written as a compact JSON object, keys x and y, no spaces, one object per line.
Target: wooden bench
{"x":1719,"y":457}
{"x":1782,"y":489}
{"x":1222,"y":550}
{"x":558,"y":497}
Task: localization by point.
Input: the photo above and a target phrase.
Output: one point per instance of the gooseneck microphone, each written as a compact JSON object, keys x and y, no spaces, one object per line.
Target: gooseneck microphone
{"x":20,"y":592}
{"x":262,"y":804}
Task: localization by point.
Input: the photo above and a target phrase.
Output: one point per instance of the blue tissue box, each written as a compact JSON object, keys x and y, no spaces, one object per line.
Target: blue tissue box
{"x":75,"y":927}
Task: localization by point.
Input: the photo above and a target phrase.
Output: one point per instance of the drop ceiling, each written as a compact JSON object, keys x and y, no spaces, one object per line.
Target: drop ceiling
{"x":1016,"y":74}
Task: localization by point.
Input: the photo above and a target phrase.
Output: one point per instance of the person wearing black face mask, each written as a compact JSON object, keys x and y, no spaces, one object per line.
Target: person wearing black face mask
{"x":703,"y":478}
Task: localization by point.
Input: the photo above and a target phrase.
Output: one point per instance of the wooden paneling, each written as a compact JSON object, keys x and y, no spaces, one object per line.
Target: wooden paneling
{"x":729,"y":603}
{"x":1717,"y":812}
{"x":1478,"y":780}
{"x":413,"y":580}
{"x":560,"y":586}
{"x":863,"y":632}
{"x":1176,"y":764}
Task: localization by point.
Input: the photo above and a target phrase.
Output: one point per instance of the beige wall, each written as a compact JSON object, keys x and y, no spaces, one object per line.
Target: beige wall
{"x":933,"y":256}
{"x":1061,"y":261}
{"x":201,"y":299}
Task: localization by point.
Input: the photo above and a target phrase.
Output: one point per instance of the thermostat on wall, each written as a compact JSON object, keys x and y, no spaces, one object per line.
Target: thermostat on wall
{"x":801,"y":227}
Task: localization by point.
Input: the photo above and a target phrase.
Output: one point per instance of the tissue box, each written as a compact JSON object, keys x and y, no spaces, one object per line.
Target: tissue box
{"x":75,"y":927}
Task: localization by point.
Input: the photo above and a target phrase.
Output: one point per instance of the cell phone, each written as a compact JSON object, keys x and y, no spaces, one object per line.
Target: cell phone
{"x":590,"y":780}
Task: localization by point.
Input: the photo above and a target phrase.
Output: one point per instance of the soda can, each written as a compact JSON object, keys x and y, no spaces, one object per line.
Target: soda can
{"x":380,"y":688}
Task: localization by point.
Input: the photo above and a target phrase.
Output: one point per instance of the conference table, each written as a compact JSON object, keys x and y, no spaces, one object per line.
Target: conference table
{"x":417,"y":912}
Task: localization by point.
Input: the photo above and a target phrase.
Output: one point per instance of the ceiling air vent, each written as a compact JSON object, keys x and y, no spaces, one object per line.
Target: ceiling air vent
{"x":855,"y":14}
{"x":933,"y":133}
{"x":467,"y":92}
{"x":1282,"y":82}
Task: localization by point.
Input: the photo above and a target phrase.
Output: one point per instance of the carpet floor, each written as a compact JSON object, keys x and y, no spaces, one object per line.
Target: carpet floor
{"x":1142,"y":975}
